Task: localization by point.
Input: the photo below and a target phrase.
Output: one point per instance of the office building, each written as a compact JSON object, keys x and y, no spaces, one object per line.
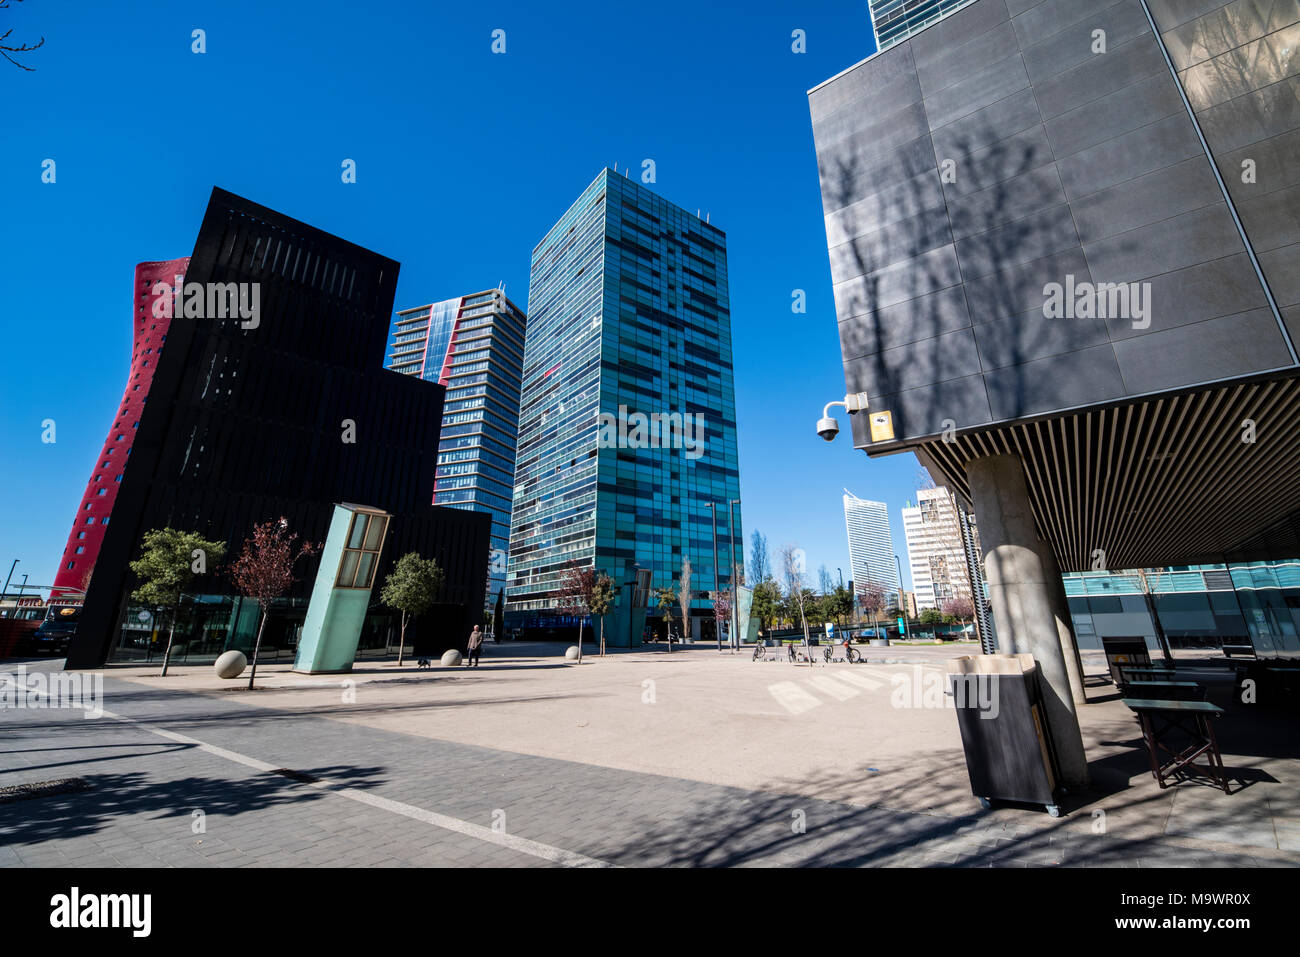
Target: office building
{"x":282,"y":411}
{"x":1064,"y":239}
{"x":627,"y":427}
{"x":871,"y":546}
{"x":473,"y":346}
{"x":935,"y":552}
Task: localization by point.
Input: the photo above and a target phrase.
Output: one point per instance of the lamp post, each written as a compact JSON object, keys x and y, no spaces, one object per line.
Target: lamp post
{"x":7,"y":580}
{"x":902,"y":632}
{"x":19,"y":600}
{"x":717,"y":577}
{"x":731,"y":571}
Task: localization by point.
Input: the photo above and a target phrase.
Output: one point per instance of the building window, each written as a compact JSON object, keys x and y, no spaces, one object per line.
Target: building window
{"x":81,"y":534}
{"x":102,"y":491}
{"x":80,"y":549}
{"x":361,"y":555}
{"x":71,"y":565}
{"x":91,"y":520}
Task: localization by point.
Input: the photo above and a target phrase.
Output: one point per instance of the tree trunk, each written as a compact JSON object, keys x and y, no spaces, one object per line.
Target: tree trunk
{"x":401,"y":642}
{"x":171,"y":633}
{"x":257,"y":647}
{"x":1161,"y":637}
{"x":579,"y":639}
{"x":602,"y":636}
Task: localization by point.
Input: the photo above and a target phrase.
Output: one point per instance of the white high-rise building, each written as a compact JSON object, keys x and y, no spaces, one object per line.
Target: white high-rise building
{"x":934,"y":549}
{"x":871,"y":546}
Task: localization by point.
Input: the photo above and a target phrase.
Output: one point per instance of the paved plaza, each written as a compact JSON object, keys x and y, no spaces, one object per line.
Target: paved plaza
{"x":639,"y":759}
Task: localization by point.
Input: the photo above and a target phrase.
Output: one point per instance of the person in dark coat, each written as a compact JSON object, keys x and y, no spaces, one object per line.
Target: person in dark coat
{"x":475,"y":647}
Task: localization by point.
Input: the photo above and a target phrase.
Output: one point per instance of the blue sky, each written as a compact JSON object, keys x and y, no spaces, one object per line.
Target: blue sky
{"x":464,"y":159}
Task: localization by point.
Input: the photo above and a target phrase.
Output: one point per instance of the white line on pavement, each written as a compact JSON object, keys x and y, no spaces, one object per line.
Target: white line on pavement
{"x":836,"y":689}
{"x":793,"y":698}
{"x":861,"y":679}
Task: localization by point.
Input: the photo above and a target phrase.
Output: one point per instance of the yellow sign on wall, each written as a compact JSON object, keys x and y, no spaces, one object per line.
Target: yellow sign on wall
{"x":882,"y":427}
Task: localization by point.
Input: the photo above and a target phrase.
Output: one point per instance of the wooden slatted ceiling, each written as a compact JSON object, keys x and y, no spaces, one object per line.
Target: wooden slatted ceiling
{"x":1164,"y":481}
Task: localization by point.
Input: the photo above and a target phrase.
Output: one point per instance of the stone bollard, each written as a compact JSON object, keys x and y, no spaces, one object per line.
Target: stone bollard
{"x":450,"y":658}
{"x":231,"y":664}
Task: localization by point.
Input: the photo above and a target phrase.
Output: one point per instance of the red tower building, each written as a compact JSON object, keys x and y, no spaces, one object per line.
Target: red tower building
{"x":101,"y":491}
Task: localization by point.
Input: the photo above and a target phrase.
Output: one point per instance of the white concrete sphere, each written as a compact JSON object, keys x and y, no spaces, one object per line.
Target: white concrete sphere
{"x":450,"y":658}
{"x":231,"y":664}
{"x":571,"y":653}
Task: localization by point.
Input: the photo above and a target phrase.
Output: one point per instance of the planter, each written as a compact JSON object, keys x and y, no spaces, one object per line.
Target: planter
{"x":879,"y":642}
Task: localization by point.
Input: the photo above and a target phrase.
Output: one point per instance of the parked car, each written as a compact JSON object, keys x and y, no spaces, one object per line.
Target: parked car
{"x":51,"y":637}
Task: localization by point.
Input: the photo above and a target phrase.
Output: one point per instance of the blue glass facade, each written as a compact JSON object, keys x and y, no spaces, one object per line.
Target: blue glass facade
{"x":627,"y":426}
{"x":473,"y":345}
{"x":1198,"y":605}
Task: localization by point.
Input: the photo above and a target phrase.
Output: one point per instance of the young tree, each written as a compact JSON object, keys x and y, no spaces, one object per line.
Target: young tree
{"x":665,"y":598}
{"x":871,"y":599}
{"x":767,"y":602}
{"x":264,"y":571}
{"x":961,"y":609}
{"x":824,"y":584}
{"x":721,"y":612}
{"x":169,"y":561}
{"x":1149,"y":596}
{"x":576,"y":585}
{"x":792,"y":569}
{"x":760,"y":562}
{"x":601,"y":600}
{"x":684,"y":597}
{"x":411,"y":587}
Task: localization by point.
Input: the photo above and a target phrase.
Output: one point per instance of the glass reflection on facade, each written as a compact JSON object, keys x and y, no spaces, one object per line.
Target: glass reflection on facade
{"x":473,"y":345}
{"x":1200,"y":606}
{"x":629,"y":319}
{"x":896,"y":20}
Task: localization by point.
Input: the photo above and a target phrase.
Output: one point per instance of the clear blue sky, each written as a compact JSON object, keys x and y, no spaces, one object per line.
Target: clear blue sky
{"x":465,"y":158}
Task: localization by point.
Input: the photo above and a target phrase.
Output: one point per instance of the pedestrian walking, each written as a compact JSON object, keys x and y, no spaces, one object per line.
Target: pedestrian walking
{"x":475,"y":647}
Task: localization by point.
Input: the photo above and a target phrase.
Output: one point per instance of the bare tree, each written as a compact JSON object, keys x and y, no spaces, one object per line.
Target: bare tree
{"x":7,"y":48}
{"x":792,"y":571}
{"x":684,"y":599}
{"x":1149,"y":596}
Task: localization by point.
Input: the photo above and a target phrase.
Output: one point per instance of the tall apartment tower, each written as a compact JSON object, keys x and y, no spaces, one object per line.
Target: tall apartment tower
{"x":893,"y":21}
{"x":473,"y":345}
{"x":871,"y":545}
{"x":148,"y":333}
{"x":935,"y":550}
{"x":627,"y":429}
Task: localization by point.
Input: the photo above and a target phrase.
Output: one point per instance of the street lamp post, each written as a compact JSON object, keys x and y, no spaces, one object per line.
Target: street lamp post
{"x":731,"y":570}
{"x":717,"y":577}
{"x":902,"y":631}
{"x":9,"y":579}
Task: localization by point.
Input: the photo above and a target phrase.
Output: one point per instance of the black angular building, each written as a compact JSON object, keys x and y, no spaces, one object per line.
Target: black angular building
{"x":281,"y":415}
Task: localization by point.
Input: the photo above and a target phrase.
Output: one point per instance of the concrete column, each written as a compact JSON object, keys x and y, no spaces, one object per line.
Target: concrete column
{"x":1025,"y":591}
{"x":1064,"y":624}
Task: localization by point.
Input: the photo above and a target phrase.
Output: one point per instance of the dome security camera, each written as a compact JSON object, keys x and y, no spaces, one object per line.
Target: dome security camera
{"x":827,"y":427}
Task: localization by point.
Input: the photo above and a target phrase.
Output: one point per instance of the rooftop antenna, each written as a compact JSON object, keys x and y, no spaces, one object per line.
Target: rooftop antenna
{"x":615,"y":167}
{"x":706,"y":217}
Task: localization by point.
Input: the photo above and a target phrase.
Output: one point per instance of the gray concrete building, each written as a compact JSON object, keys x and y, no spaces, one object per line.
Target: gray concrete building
{"x":1064,"y":238}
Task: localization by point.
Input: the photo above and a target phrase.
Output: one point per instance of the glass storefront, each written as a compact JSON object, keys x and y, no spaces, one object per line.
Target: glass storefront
{"x":212,"y":624}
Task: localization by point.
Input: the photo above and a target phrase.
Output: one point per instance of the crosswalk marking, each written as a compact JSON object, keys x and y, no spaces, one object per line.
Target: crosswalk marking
{"x":836,"y":689}
{"x":793,"y":698}
{"x":861,"y":678}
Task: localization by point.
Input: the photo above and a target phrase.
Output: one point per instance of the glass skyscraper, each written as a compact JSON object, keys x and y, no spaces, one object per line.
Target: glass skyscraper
{"x":627,"y":426}
{"x":896,"y":20}
{"x":871,"y":545}
{"x":473,"y":345}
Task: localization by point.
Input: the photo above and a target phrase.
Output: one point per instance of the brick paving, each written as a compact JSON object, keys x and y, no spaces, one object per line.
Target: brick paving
{"x":145,"y":788}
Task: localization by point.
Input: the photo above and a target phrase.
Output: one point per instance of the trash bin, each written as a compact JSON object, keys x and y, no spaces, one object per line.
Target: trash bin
{"x":1009,"y":753}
